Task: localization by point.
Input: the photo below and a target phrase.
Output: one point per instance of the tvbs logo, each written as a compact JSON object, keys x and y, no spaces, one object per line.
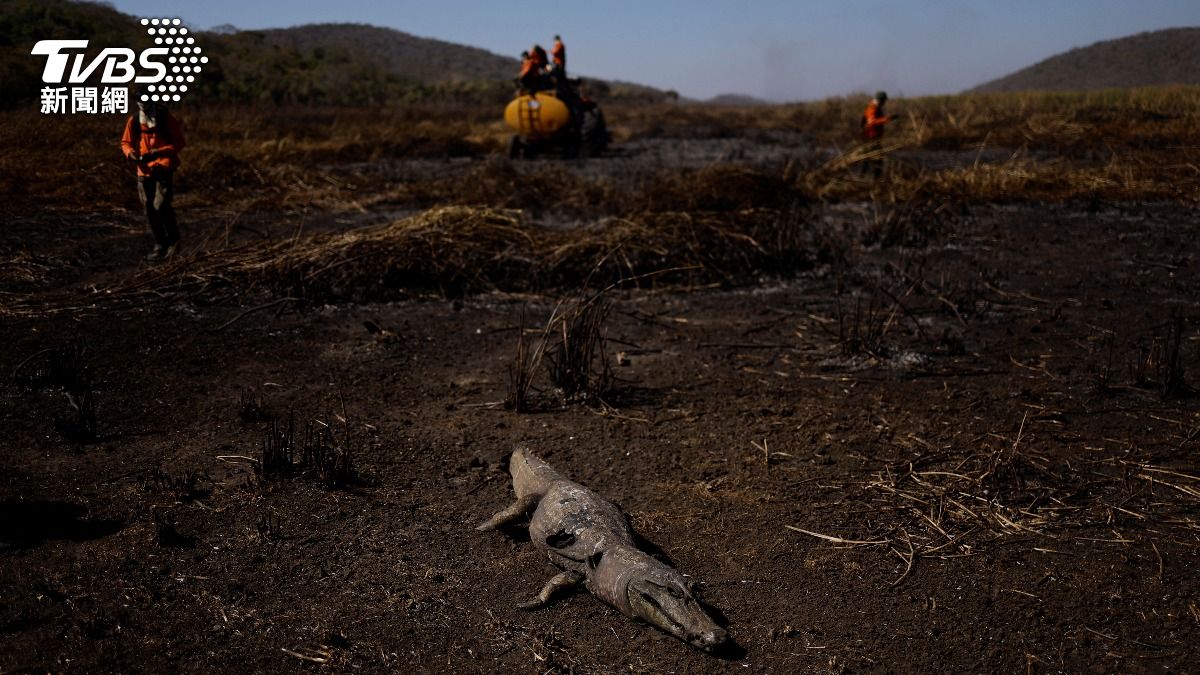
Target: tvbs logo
{"x":161,"y":74}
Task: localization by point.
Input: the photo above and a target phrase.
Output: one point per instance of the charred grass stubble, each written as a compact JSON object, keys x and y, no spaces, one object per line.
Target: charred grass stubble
{"x":1159,"y":360}
{"x":64,"y":368}
{"x":251,"y":407}
{"x":324,"y":453}
{"x":572,"y":348}
{"x":868,"y":314}
{"x":1155,"y":359}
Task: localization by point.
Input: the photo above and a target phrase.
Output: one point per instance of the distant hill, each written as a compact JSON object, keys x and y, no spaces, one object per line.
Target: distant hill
{"x":337,"y":64}
{"x":24,"y":22}
{"x":408,"y":56}
{"x":735,"y":100}
{"x":349,"y":63}
{"x":1162,"y":57}
{"x":363,"y":64}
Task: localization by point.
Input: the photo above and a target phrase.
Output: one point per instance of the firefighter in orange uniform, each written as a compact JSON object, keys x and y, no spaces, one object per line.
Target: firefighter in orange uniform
{"x":527,"y":71}
{"x":152,"y":140}
{"x":533,"y":70}
{"x":540,"y":60}
{"x":558,"y":53}
{"x":874,"y":119}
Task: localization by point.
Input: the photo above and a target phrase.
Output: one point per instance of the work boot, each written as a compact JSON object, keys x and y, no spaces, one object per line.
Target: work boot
{"x":157,"y":255}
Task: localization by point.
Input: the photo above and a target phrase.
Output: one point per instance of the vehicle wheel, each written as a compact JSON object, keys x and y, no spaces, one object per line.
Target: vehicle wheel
{"x":570,"y":146}
{"x":594,"y":132}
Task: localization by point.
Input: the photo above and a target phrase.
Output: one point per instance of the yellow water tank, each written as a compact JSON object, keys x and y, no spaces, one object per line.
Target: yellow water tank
{"x":537,"y":116}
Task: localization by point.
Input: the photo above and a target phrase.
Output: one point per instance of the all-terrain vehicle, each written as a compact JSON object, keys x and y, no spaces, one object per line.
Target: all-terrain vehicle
{"x":555,"y":120}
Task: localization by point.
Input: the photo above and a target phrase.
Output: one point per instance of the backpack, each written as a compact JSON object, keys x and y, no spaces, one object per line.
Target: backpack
{"x":160,"y":126}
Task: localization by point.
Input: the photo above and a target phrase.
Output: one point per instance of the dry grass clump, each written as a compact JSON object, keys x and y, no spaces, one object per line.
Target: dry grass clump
{"x":456,"y":250}
{"x":727,"y":248}
{"x":1010,"y":491}
{"x":1016,"y":179}
{"x":449,"y":251}
{"x":1054,"y":181}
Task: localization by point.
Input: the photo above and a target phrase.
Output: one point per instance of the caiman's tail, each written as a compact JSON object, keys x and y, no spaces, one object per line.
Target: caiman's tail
{"x":531,"y":476}
{"x":531,"y":479}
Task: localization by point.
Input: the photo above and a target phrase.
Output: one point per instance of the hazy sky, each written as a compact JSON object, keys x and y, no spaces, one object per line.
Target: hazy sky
{"x":772,"y":49}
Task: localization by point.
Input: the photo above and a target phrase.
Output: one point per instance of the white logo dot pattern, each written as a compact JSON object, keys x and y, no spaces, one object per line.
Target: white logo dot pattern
{"x":179,"y":72}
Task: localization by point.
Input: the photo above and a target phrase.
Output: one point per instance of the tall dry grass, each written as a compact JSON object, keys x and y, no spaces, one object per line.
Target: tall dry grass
{"x":1118,"y":145}
{"x":75,"y":162}
{"x":452,"y":251}
{"x":1137,"y":144}
{"x":1155,"y":117}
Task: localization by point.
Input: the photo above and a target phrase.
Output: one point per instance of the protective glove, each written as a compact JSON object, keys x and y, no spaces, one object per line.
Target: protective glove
{"x":146,"y":157}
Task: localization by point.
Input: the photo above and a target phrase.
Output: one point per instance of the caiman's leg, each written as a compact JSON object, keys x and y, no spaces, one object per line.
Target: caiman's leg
{"x":568,"y":579}
{"x":510,"y":513}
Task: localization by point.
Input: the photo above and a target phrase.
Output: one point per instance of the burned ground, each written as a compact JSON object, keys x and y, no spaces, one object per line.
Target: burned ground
{"x":949,"y":433}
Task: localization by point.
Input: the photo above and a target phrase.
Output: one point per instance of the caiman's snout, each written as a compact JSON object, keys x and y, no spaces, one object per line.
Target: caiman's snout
{"x":669,"y":604}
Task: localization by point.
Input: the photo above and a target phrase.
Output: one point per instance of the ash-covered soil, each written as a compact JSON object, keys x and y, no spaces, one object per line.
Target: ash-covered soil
{"x":986,"y":441}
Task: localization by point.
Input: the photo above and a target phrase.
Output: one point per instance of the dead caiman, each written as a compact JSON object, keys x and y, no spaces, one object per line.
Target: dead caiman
{"x":589,"y":539}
